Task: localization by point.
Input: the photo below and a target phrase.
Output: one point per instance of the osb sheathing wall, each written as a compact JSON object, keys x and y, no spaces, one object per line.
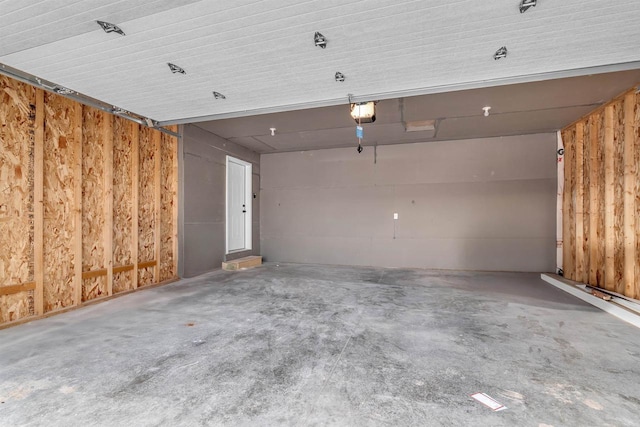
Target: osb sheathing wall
{"x":88,"y":203}
{"x":601,"y":203}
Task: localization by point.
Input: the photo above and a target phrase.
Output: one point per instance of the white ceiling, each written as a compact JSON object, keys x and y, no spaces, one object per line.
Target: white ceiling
{"x":261,"y":55}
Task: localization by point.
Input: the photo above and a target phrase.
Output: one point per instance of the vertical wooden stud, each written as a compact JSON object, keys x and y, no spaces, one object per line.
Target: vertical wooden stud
{"x":567,"y":263}
{"x":77,"y":203}
{"x":579,"y":203}
{"x":38,"y":206}
{"x":593,"y":201}
{"x":636,"y":137}
{"x":108,"y":203}
{"x":175,"y":203}
{"x":156,"y":137}
{"x":630,"y":256}
{"x":609,"y":199}
{"x":135,"y":161}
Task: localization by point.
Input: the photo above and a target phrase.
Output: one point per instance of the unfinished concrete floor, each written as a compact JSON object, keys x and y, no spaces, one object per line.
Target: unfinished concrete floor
{"x":319,"y":345}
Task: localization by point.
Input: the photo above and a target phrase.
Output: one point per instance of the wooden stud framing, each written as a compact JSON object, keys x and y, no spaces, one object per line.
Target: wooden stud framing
{"x":108,"y":202}
{"x":77,"y":203}
{"x":135,"y":191}
{"x":38,"y":206}
{"x":157,"y":157}
{"x":602,"y":174}
{"x":60,"y":159}
{"x":579,"y":203}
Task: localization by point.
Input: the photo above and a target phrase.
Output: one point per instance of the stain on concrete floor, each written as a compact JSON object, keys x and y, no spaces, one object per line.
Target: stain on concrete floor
{"x":287,"y":344}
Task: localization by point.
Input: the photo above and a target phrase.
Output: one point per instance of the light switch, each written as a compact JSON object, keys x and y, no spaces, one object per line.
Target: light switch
{"x":395,"y":215}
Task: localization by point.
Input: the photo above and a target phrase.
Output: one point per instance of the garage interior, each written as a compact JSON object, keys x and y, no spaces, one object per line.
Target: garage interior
{"x":145,"y":143}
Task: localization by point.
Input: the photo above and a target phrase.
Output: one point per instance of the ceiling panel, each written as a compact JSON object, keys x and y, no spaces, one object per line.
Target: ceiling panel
{"x":586,"y":90}
{"x":516,"y":109}
{"x":253,"y":144}
{"x":260,"y":53}
{"x":516,"y":123}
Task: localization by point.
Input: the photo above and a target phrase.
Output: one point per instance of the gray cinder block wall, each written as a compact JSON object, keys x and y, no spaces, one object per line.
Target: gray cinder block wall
{"x":478,"y":204}
{"x":202,"y":205}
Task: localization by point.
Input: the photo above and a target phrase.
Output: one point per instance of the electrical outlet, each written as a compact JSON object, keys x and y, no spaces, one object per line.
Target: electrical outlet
{"x":395,"y":215}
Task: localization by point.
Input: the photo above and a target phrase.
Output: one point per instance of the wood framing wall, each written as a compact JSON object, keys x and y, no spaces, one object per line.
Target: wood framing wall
{"x":88,"y":203}
{"x":601,"y":204}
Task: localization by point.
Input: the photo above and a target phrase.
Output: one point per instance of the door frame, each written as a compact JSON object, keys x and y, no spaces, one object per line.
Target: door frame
{"x":248,"y":218}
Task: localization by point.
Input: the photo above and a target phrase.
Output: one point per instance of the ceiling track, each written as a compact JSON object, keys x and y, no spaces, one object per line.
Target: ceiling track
{"x":83,"y":99}
{"x":528,"y":78}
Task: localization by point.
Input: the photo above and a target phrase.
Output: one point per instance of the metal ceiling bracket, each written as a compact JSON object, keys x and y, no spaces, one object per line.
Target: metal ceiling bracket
{"x":526,"y":5}
{"x":500,"y":53}
{"x":320,"y":40}
{"x":110,"y":28}
{"x":175,"y":69}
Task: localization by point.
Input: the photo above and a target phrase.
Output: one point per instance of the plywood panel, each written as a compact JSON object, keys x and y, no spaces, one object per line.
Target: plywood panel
{"x":17,"y":130}
{"x":16,"y":306}
{"x":79,"y":188}
{"x":93,"y":200}
{"x":618,"y":196}
{"x":146,"y":203}
{"x":169,"y":191}
{"x":122,"y":200}
{"x":60,"y":148}
{"x":122,"y":281}
{"x":94,"y":287}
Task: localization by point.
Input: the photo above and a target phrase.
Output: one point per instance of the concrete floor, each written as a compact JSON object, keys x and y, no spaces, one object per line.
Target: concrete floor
{"x":317,"y":345}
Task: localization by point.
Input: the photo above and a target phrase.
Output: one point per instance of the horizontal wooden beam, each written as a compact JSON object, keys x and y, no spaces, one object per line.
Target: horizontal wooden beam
{"x":123,"y":268}
{"x":14,"y":289}
{"x":94,"y":273}
{"x":147,"y":264}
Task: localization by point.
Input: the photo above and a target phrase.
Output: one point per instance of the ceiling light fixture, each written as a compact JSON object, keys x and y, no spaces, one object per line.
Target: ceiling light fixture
{"x":218,"y":95}
{"x":110,"y":28}
{"x":175,"y":69}
{"x":363,"y":112}
{"x":273,"y":131}
{"x":320,"y":40}
{"x":486,"y":110}
{"x":526,"y":4}
{"x":500,"y":53}
{"x":339,"y":76}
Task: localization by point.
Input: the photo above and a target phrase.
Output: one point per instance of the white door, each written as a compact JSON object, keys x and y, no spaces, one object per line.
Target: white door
{"x":238,"y":205}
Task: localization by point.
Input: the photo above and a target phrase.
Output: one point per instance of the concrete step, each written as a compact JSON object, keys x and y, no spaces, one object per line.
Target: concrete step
{"x":242,"y":263}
